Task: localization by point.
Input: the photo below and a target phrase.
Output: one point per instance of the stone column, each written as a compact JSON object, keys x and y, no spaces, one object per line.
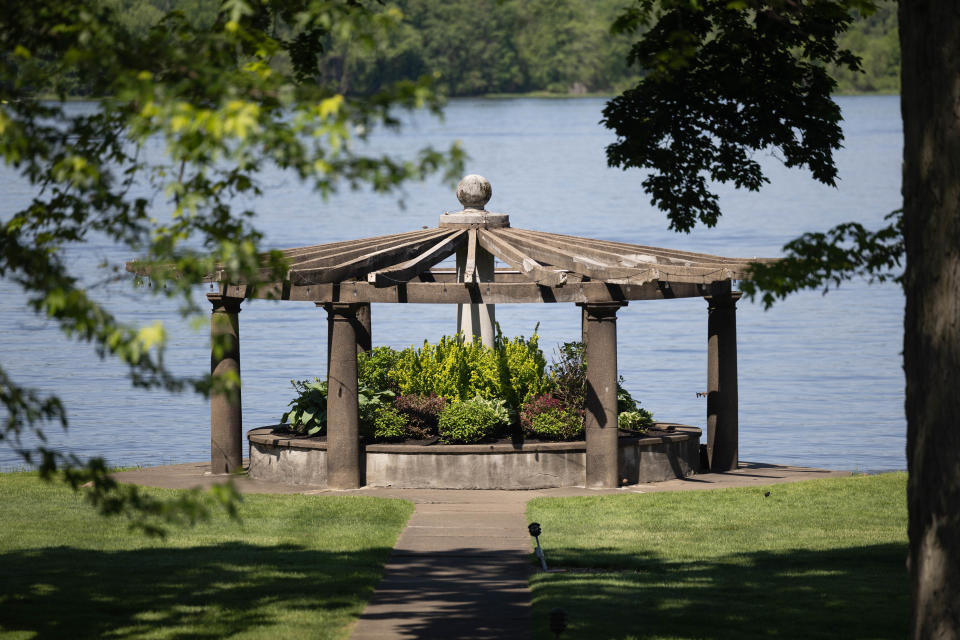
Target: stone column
{"x":583,"y":326}
{"x":601,"y":401}
{"x":226,"y":413}
{"x":343,"y":420}
{"x":476,"y":320}
{"x":364,"y":329}
{"x":722,"y":400}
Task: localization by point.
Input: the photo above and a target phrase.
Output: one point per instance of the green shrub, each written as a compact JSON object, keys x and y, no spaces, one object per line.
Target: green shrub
{"x":625,"y":401}
{"x":466,"y":422}
{"x":546,"y":417}
{"x":454,"y":368}
{"x":494,"y":385}
{"x":369,"y":403}
{"x":422,"y":413}
{"x":389,"y":424}
{"x":463,"y":369}
{"x":520,"y":366}
{"x":557,"y":424}
{"x":308,"y":410}
{"x":537,"y":405}
{"x":638,"y":421}
{"x":631,"y":416}
{"x":373,"y":368}
{"x":568,"y":374}
{"x":499,"y":407}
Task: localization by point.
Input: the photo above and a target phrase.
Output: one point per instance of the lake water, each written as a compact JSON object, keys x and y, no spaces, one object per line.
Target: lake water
{"x":820,"y":377}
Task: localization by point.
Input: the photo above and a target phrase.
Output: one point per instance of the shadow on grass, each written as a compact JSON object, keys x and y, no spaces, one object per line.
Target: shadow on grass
{"x":197,"y":592}
{"x":456,"y":593}
{"x":859,"y":592}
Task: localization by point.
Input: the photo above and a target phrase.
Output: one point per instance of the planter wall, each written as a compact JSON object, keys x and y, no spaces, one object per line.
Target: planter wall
{"x":479,"y":466}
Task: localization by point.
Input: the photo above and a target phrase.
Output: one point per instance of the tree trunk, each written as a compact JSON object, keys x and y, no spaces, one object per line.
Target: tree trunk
{"x":930,"y":103}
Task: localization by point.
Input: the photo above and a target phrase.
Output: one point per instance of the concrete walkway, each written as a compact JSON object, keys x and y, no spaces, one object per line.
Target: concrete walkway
{"x":459,"y":570}
{"x":460,"y":567}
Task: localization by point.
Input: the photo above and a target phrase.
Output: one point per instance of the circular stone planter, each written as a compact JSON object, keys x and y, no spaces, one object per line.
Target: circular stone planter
{"x":673,"y":451}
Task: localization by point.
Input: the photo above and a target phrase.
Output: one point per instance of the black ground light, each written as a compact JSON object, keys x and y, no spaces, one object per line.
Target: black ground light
{"x":534,"y":529}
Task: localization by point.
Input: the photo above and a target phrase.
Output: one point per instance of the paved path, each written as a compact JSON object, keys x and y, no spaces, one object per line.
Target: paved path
{"x":460,"y":567}
{"x":459,"y":570}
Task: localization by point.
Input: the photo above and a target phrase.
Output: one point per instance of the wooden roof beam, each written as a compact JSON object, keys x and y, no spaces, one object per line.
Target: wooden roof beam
{"x":364,"y":264}
{"x":470,"y":263}
{"x":671,"y":256}
{"x":407,"y":270}
{"x":360,"y":248}
{"x":327,"y":247}
{"x":576,"y":262}
{"x":602,"y":256}
{"x":520,"y":261}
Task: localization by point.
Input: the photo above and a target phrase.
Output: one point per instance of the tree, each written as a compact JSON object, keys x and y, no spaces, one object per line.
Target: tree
{"x":930,"y":44}
{"x":226,"y":96}
{"x":727,"y":78}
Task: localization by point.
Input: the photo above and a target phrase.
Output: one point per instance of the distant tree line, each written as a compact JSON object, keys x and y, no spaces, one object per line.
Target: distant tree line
{"x":875,"y":39}
{"x":477,"y":47}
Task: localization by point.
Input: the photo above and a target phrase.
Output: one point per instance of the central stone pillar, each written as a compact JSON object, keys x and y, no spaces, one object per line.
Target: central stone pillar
{"x":476,"y":320}
{"x":722,"y":397}
{"x":226,"y":412}
{"x":344,"y":468}
{"x":601,"y":401}
{"x":474,"y":263}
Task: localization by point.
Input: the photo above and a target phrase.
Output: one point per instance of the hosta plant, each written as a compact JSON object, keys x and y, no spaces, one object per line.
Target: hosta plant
{"x":308,"y":410}
{"x":639,"y":420}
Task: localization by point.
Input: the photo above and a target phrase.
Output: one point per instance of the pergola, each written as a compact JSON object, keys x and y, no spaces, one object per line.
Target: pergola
{"x":599,"y":276}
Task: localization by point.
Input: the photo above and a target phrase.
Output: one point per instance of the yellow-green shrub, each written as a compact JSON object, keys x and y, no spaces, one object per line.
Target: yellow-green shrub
{"x":462,"y":369}
{"x":520,"y":365}
{"x":453,"y":368}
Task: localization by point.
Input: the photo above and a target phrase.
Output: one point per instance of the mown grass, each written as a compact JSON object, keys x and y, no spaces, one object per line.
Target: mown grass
{"x":294,"y":567}
{"x":817,"y":559}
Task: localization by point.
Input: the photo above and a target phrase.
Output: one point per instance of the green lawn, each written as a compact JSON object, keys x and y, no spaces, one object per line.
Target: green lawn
{"x":817,"y":559}
{"x":295,"y":567}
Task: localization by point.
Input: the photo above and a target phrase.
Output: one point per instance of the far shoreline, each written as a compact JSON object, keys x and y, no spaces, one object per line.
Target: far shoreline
{"x":542,"y":94}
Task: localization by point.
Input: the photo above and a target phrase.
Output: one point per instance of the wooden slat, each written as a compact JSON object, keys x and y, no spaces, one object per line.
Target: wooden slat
{"x":627,"y":248}
{"x":362,"y":265}
{"x":602,"y":256}
{"x":669,"y":259}
{"x":329,"y":247}
{"x":335,"y":252}
{"x":319,"y":251}
{"x":577,"y":263}
{"x":470,"y":264}
{"x":618,"y":254}
{"x":360,"y":248}
{"x":406,"y":270}
{"x":517,"y":259}
{"x":696,"y":273}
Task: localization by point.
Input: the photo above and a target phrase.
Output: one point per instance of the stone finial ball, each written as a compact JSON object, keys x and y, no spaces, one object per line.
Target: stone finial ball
{"x":474,"y":192}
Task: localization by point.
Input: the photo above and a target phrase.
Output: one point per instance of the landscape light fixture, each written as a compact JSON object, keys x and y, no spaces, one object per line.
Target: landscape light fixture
{"x":534,"y":529}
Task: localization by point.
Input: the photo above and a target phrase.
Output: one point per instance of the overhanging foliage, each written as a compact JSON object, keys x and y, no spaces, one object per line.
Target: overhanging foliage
{"x":226,"y":99}
{"x":725,"y":80}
